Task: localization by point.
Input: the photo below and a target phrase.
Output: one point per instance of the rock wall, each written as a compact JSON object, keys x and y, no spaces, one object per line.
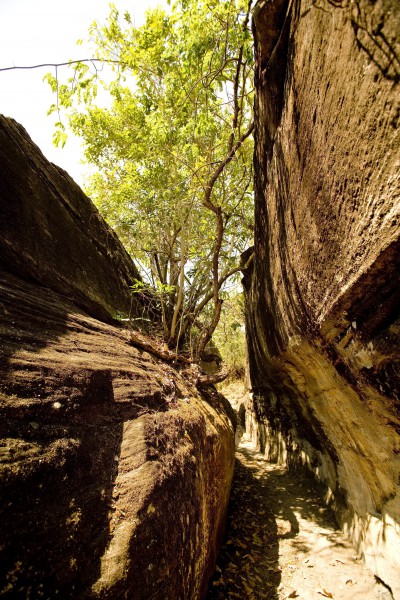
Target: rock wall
{"x":51,"y":233}
{"x":114,"y":471}
{"x":323,"y":294}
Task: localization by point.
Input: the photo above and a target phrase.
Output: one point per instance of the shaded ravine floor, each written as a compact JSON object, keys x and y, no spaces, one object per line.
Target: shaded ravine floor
{"x":282,"y":542}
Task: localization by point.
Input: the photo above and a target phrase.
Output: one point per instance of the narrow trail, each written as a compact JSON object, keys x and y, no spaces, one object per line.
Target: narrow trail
{"x":282,"y":542}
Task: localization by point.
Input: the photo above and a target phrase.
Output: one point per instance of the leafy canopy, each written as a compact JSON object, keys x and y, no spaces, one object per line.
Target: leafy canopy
{"x":172,"y":150}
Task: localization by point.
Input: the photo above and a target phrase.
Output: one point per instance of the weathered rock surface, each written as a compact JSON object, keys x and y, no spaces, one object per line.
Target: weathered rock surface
{"x":51,"y":233}
{"x":323,"y":293}
{"x":115,"y":472}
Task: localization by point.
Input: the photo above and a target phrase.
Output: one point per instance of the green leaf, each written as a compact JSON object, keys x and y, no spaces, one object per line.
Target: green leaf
{"x":155,"y":144}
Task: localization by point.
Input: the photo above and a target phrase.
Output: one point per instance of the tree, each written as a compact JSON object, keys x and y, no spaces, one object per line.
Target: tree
{"x":230,"y":337}
{"x":173,"y":152}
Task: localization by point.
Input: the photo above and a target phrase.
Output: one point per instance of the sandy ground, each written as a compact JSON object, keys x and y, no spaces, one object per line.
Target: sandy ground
{"x":282,"y":542}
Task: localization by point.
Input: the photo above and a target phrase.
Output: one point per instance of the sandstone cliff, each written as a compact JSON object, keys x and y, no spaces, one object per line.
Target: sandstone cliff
{"x":51,"y":233}
{"x":115,"y":472}
{"x":323,"y":294}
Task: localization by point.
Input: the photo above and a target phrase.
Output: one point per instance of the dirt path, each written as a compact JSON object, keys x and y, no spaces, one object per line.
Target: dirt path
{"x":281,"y":542}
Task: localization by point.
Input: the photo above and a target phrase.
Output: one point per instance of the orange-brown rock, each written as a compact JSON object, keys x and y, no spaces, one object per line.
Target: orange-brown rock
{"x":51,"y":233}
{"x":323,"y":293}
{"x":114,"y":471}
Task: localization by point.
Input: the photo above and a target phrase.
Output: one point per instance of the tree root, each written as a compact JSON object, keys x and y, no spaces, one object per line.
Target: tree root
{"x":194,"y":373}
{"x":156,"y":348}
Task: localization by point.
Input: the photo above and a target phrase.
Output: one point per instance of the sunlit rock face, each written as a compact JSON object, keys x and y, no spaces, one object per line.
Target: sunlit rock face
{"x":323,"y":293}
{"x":114,"y":471}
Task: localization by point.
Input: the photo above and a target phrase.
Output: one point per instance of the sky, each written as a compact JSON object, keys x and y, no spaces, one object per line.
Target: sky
{"x":46,"y":31}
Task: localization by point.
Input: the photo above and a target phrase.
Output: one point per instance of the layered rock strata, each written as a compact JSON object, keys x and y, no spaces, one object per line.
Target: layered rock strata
{"x":114,"y":471}
{"x":323,"y":293}
{"x":51,"y":233}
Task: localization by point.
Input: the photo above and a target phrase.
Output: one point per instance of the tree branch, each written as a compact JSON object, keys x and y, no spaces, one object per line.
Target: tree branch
{"x":66,"y":64}
{"x":221,"y":166}
{"x":204,"y":380}
{"x":155,"y":348}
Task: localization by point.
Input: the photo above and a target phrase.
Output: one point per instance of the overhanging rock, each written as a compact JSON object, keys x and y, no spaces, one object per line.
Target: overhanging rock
{"x":323,"y":293}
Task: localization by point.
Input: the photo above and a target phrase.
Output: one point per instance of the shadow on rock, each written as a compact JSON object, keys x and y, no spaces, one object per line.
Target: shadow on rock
{"x":60,"y":441}
{"x":56,"y":489}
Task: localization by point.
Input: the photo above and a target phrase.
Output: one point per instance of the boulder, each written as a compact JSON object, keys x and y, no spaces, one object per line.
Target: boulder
{"x":323,"y":293}
{"x":115,"y":472}
{"x":51,"y":232}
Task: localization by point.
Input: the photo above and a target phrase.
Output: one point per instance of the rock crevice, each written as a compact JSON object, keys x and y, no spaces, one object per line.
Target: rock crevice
{"x":114,"y":471}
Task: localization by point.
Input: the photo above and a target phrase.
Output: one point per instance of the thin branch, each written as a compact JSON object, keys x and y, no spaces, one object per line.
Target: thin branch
{"x":66,"y":64}
{"x":221,"y":281}
{"x":221,"y":166}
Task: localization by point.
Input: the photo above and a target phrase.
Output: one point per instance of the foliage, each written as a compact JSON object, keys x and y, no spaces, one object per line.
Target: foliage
{"x":173,"y":152}
{"x":230,"y":337}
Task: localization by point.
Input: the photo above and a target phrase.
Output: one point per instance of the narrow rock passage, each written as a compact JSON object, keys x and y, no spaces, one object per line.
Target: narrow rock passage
{"x":282,"y":542}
